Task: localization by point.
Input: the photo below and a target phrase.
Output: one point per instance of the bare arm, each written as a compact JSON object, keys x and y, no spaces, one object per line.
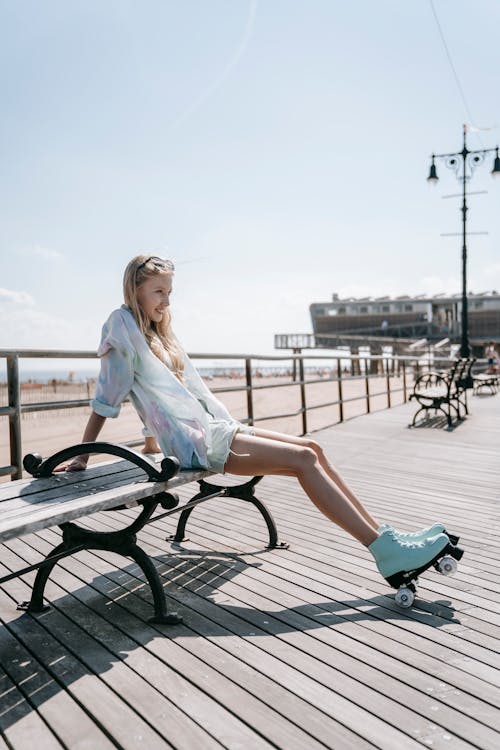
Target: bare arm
{"x":92,"y":430}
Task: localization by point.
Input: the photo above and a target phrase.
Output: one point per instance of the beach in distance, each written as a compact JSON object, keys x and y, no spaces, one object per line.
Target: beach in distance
{"x":48,"y":431}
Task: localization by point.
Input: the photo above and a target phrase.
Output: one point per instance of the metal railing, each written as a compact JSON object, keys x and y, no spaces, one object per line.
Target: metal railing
{"x":364,"y":368}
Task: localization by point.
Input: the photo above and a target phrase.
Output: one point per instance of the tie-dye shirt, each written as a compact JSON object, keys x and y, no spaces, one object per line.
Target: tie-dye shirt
{"x":187,"y":420}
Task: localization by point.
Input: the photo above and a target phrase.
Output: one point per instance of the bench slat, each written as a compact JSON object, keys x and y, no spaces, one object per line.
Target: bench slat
{"x":22,"y":515}
{"x":20,"y":509}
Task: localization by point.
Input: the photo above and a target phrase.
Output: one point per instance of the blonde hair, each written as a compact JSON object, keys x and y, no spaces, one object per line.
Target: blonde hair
{"x":159,"y":336}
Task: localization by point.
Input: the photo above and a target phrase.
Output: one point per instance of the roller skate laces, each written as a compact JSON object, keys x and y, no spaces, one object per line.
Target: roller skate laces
{"x":421,"y":534}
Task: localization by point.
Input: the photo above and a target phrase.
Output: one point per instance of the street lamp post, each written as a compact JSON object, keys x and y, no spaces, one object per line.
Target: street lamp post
{"x":464,"y":163}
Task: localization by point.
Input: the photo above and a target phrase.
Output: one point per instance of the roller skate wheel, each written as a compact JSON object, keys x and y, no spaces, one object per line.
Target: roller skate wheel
{"x":447,"y":566}
{"x":405,"y":597}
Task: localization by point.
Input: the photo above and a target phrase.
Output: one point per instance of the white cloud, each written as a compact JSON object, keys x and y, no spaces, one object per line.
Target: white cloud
{"x":24,"y":325}
{"x":13,"y":297}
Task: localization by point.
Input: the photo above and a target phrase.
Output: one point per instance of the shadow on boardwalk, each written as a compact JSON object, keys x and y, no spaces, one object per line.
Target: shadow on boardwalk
{"x":86,"y":633}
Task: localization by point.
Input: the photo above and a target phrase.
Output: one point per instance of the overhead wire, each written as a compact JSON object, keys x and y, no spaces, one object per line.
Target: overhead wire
{"x":454,"y":71}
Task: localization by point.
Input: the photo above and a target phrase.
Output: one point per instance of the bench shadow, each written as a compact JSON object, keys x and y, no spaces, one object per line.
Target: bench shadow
{"x":90,"y":630}
{"x":437,"y":422}
{"x":210,"y":578}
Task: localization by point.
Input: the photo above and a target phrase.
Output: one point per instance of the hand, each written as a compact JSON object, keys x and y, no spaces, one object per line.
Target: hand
{"x":79,"y":463}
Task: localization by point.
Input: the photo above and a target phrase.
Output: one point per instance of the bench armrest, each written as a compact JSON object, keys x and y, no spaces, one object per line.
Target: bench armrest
{"x":431,"y":380}
{"x":39,"y":467}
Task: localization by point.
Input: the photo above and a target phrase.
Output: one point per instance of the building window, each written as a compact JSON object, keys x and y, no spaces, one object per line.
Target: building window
{"x":408,"y":308}
{"x":341,"y":311}
{"x":386,"y":308}
{"x":478,"y":305}
{"x":363,"y":309}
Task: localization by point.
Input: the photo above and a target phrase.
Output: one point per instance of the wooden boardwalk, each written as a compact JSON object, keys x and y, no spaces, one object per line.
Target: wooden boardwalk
{"x":296,"y":649}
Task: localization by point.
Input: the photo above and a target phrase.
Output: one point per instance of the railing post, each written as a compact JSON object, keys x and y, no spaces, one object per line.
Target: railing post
{"x":339,"y":383}
{"x":294,"y":366}
{"x":388,"y":381}
{"x":367,"y":387}
{"x":303,"y":395}
{"x":14,"y":394}
{"x":248,"y":372}
{"x":405,"y":398}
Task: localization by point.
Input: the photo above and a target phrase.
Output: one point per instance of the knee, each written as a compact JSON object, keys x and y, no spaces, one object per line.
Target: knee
{"x":306,"y":459}
{"x":316,"y":448}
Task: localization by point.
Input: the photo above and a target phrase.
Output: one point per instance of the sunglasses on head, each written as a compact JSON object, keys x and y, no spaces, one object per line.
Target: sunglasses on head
{"x":157,"y":263}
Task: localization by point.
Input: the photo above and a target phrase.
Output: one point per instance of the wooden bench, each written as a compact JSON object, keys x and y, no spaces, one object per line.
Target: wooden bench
{"x":444,"y":391}
{"x":59,"y":499}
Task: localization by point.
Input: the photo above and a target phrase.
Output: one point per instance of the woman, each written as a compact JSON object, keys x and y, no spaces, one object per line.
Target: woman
{"x":141,"y":358}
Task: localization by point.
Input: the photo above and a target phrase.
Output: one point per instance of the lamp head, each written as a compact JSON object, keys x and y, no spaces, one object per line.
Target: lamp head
{"x":432,"y":178}
{"x":496,"y":165}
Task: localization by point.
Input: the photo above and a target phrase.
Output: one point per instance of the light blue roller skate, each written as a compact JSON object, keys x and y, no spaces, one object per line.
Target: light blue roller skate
{"x":400,"y":562}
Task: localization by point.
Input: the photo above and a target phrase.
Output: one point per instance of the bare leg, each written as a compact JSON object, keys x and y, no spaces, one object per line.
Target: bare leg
{"x":151,"y":445}
{"x":325,"y":464}
{"x":279,"y":457}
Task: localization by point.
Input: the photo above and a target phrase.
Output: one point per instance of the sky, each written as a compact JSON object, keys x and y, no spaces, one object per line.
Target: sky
{"x":276,"y":150}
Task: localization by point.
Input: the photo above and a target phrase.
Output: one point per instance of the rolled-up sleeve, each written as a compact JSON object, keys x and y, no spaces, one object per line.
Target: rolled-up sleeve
{"x":116,"y":376}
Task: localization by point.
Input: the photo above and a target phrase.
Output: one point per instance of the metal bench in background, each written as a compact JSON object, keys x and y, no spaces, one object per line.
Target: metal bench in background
{"x":47,"y":500}
{"x":483,"y":380}
{"x":444,"y":391}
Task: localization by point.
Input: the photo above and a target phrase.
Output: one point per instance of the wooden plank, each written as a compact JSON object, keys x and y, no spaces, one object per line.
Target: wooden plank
{"x":20,"y":725}
{"x":204,"y":665}
{"x":79,"y":504}
{"x":282,"y":567}
{"x":34,"y":491}
{"x":139,"y":695}
{"x":438,"y":582}
{"x":400,"y":718}
{"x":474,"y":708}
{"x":376,"y":575}
{"x":362,"y":578}
{"x":39,"y":693}
{"x":33,"y":486}
{"x":103,"y":704}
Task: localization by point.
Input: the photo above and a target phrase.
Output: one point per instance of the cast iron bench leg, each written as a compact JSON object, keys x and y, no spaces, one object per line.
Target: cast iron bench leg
{"x":240,"y":492}
{"x":123,"y":542}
